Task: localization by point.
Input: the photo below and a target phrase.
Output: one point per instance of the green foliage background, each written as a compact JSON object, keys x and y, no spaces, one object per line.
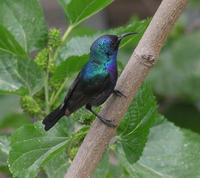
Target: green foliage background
{"x":159,"y":135}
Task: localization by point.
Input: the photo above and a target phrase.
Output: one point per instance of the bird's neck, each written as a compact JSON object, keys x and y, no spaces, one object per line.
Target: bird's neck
{"x":111,"y":68}
{"x":104,"y":59}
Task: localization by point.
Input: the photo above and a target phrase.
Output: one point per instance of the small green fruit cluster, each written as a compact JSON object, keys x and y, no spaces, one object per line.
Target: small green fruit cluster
{"x":72,"y":152}
{"x":30,"y":106}
{"x":42,"y":58}
{"x":54,"y":38}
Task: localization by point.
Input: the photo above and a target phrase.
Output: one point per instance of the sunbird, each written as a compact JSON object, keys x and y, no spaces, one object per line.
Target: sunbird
{"x":94,"y":83}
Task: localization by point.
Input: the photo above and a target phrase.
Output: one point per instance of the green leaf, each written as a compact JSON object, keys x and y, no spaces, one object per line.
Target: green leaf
{"x":38,"y":147}
{"x":79,"y":10}
{"x":25,"y":20}
{"x":134,"y":128}
{"x":13,"y":121}
{"x":11,"y":116}
{"x":82,"y":30}
{"x":184,"y":115}
{"x":33,"y":148}
{"x":8,"y":43}
{"x":9,"y":104}
{"x":173,"y":151}
{"x":180,"y":66}
{"x":18,"y":73}
{"x":170,"y":152}
{"x":77,"y":46}
{"x":80,"y":45}
{"x":56,"y":167}
{"x":68,"y":67}
{"x":135,"y":25}
{"x":4,"y":150}
{"x":135,"y":170}
{"x":195,"y":3}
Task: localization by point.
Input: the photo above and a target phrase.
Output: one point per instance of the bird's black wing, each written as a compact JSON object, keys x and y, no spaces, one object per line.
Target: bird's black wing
{"x":75,"y":98}
{"x":72,"y":88}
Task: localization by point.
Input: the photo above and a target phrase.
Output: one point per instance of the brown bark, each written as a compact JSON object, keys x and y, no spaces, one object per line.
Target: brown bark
{"x":141,"y":61}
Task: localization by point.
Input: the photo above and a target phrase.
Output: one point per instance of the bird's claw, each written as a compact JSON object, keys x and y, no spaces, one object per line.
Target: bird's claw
{"x":119,"y":93}
{"x":107,"y":122}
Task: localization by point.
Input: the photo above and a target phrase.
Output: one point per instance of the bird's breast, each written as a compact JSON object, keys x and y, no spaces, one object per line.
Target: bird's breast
{"x":95,"y":71}
{"x":111,"y":68}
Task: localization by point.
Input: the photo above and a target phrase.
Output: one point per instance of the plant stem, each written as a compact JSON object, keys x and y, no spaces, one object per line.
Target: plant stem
{"x":46,"y":86}
{"x":46,"y":90}
{"x":55,"y":96}
{"x":67,"y":32}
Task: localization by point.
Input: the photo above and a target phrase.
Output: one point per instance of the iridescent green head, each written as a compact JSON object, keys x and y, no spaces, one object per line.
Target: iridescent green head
{"x":107,"y":45}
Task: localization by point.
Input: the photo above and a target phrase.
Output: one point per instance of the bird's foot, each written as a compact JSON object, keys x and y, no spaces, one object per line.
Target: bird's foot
{"x":105,"y":121}
{"x":118,"y":93}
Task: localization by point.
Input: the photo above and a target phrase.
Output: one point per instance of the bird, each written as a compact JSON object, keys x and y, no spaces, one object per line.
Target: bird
{"x":94,"y":83}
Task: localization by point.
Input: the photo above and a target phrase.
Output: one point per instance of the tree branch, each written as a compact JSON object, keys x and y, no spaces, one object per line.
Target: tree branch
{"x":140,"y":63}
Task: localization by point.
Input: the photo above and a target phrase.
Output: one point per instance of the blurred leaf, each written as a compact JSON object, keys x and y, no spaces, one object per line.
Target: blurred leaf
{"x":136,"y":170}
{"x":82,"y":30}
{"x":117,"y":171}
{"x":103,"y":167}
{"x":13,"y":121}
{"x":180,"y":67}
{"x":17,"y":73}
{"x":79,"y":10}
{"x":8,"y":43}
{"x":184,"y":115}
{"x":9,"y":104}
{"x":56,"y":167}
{"x":134,"y":128}
{"x":25,"y":20}
{"x":4,"y":150}
{"x":11,"y":116}
{"x":38,"y":147}
{"x":135,"y":25}
{"x":178,"y":157}
{"x":170,"y":152}
{"x":195,"y":2}
{"x":79,"y":46}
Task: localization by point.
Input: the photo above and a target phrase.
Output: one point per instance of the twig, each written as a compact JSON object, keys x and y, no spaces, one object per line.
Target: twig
{"x":57,"y":94}
{"x":54,"y":95}
{"x":140,"y":63}
{"x":46,"y":84}
{"x":69,"y":29}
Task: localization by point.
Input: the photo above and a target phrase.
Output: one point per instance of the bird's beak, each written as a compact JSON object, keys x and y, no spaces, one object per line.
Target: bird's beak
{"x":125,"y":35}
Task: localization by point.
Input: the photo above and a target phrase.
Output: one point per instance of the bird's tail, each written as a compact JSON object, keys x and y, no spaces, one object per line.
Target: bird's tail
{"x":51,"y":119}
